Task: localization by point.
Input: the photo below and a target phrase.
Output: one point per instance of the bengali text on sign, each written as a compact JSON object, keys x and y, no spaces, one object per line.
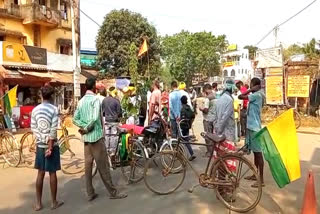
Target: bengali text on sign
{"x":298,"y":86}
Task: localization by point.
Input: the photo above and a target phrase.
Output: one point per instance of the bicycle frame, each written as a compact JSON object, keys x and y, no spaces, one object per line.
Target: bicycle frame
{"x":198,"y":175}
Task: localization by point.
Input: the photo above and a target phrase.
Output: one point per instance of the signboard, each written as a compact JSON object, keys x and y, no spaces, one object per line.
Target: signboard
{"x":274,"y":90}
{"x":228,"y":64}
{"x":271,"y":57}
{"x":22,"y":54}
{"x":298,"y":86}
{"x":232,"y":47}
{"x":275,"y":71}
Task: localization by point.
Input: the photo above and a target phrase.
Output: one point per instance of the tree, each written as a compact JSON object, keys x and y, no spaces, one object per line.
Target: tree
{"x":252,"y":51}
{"x":291,"y":51}
{"x":186,"y":54}
{"x":119,"y":30}
{"x":309,"y":49}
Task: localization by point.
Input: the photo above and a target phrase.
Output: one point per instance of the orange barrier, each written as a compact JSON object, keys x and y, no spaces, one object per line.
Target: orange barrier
{"x":309,"y":200}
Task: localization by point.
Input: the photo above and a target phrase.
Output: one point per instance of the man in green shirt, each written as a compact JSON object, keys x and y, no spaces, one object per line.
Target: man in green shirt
{"x":88,"y":118}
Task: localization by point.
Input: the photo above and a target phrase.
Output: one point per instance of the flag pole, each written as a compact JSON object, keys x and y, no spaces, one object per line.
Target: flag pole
{"x":148,"y":65}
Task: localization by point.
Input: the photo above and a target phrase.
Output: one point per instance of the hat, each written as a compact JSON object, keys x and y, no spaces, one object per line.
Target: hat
{"x":182,"y":86}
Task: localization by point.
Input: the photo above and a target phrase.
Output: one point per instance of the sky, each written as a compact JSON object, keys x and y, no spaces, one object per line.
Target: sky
{"x":244,"y":22}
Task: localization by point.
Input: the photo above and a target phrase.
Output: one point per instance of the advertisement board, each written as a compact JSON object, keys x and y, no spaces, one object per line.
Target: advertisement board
{"x":298,"y":86}
{"x":274,"y":90}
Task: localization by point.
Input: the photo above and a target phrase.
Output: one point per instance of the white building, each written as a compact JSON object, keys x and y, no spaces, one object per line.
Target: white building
{"x":237,"y":65}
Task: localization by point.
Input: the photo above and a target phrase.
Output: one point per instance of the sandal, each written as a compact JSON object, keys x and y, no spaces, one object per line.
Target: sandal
{"x":119,"y":196}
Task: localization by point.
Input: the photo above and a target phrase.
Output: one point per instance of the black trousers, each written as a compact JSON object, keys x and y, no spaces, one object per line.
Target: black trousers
{"x":243,"y":121}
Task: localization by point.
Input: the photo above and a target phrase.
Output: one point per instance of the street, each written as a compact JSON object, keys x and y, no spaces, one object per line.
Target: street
{"x":18,"y":190}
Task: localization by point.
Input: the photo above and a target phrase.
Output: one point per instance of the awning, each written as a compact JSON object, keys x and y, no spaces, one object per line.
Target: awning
{"x":62,"y":41}
{"x":37,"y":74}
{"x":64,"y":77}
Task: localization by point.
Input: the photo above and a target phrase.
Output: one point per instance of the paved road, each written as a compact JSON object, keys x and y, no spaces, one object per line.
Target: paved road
{"x":17,"y":191}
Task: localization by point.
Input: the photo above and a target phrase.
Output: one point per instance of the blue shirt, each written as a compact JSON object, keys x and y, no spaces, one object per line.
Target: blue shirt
{"x":175,"y":104}
{"x":256,"y":102}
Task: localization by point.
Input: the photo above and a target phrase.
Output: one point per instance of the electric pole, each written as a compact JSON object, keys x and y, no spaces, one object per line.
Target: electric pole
{"x":75,"y":49}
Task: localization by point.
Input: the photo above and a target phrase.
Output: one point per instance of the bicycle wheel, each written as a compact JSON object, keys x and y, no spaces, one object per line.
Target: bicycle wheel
{"x":233,"y":190}
{"x":71,"y":155}
{"x":11,"y":149}
{"x":28,"y":149}
{"x":163,"y":180}
{"x":165,"y":161}
{"x":133,"y":168}
{"x":297,"y":119}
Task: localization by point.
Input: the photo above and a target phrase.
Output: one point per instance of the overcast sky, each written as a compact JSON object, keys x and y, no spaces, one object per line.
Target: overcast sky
{"x":243,"y":22}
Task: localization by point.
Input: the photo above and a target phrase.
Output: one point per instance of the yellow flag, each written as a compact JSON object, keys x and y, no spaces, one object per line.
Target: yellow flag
{"x":12,"y":94}
{"x":143,"y":48}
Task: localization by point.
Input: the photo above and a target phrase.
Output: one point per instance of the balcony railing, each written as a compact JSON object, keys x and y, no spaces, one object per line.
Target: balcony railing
{"x":40,"y":14}
{"x":12,"y":10}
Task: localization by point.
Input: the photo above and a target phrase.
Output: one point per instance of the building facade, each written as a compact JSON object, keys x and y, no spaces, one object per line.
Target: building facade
{"x":237,"y":65}
{"x":36,"y":48}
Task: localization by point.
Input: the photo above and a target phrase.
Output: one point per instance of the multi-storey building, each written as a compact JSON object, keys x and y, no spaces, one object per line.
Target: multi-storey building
{"x":36,"y":48}
{"x":237,"y":65}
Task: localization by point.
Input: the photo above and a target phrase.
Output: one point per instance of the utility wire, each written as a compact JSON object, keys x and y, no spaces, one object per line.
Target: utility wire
{"x":89,"y":17}
{"x":277,"y":26}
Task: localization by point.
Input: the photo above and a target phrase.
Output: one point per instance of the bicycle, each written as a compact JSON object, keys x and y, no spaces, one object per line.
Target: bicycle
{"x":9,"y":148}
{"x":296,"y":115}
{"x":71,"y":150}
{"x":224,"y":174}
{"x":132,"y":164}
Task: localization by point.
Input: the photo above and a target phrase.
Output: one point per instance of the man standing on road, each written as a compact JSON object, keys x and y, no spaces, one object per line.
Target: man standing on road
{"x":225,"y":114}
{"x":207,"y":121}
{"x":88,"y":119}
{"x":155,"y":101}
{"x":243,"y":112}
{"x":112,"y":112}
{"x":44,"y":125}
{"x":256,"y":102}
{"x":174,"y":108}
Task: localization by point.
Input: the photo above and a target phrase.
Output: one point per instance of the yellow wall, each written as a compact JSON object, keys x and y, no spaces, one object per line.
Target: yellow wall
{"x":49,"y":38}
{"x":49,"y":35}
{"x":16,"y":25}
{"x":1,"y":3}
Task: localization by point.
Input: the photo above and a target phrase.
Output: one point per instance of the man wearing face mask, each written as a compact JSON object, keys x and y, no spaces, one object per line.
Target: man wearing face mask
{"x":225,"y":113}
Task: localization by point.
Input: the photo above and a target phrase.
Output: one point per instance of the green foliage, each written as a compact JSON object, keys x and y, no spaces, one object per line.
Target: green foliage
{"x":292,"y":50}
{"x":133,"y":63}
{"x":188,"y":53}
{"x":308,"y":49}
{"x":119,"y":30}
{"x":252,"y":51}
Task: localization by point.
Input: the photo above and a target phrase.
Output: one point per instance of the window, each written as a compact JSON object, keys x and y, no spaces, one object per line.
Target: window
{"x":242,"y":56}
{"x":42,"y":2}
{"x":225,"y":73}
{"x":242,"y":71}
{"x":64,"y":10}
{"x":65,"y":49}
{"x":238,"y":71}
{"x":36,"y":36}
{"x":246,"y":71}
{"x":233,"y":73}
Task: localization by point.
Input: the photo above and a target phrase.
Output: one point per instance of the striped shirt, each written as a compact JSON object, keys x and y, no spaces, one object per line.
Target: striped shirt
{"x":44,"y":124}
{"x":87,"y":116}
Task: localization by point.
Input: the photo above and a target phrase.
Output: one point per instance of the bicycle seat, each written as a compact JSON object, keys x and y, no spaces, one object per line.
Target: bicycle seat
{"x":213,"y":137}
{"x":122,"y":130}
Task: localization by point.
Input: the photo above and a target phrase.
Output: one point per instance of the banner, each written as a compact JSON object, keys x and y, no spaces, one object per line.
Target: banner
{"x":23,"y":54}
{"x":274,"y":90}
{"x":298,"y":86}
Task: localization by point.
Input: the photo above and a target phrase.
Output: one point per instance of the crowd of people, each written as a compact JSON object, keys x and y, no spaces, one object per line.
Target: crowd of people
{"x":234,"y":113}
